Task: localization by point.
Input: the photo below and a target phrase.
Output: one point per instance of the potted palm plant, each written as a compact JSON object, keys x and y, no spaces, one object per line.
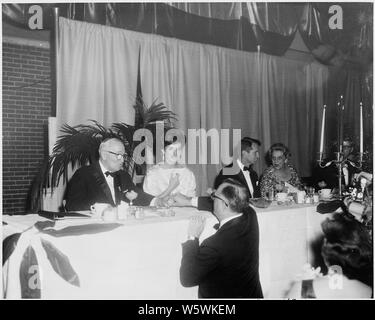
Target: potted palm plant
{"x":78,"y":146}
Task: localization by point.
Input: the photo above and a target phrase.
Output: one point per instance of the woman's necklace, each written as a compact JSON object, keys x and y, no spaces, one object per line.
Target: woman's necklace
{"x":283,"y":174}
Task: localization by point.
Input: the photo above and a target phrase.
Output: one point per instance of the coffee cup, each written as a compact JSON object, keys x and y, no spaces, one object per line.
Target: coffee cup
{"x":98,"y":208}
{"x":325,"y":193}
{"x":281,"y":196}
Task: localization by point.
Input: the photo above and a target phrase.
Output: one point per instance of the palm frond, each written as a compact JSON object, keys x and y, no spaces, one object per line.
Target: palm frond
{"x":126,"y":133}
{"x":78,"y":146}
{"x":157,"y":112}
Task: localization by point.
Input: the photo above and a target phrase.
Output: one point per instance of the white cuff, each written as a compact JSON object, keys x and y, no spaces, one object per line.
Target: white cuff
{"x":152,"y":203}
{"x":194,"y":202}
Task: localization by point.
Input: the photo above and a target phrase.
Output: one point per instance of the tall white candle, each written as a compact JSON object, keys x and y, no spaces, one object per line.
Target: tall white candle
{"x":360,"y":128}
{"x":322,"y":130}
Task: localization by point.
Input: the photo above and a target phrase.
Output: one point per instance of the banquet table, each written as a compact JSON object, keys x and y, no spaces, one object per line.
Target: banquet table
{"x":86,"y":258}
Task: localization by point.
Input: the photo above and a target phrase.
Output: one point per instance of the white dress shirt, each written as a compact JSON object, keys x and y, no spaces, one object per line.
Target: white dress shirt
{"x":109,"y":180}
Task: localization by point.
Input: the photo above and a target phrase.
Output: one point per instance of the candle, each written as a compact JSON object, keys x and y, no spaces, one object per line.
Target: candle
{"x":322,"y":130}
{"x":360,"y":128}
{"x":341,"y":129}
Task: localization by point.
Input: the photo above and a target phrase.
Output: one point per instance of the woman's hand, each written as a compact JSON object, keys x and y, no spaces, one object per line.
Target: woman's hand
{"x":279,"y":187}
{"x":174,"y":182}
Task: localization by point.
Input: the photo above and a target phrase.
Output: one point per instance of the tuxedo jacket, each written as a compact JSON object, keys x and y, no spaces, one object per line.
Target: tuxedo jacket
{"x":330,"y":175}
{"x":225,"y":265}
{"x":88,"y":186}
{"x":241,"y":178}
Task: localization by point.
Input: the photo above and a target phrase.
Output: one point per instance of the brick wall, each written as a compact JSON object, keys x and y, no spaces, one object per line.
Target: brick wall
{"x":26,"y":106}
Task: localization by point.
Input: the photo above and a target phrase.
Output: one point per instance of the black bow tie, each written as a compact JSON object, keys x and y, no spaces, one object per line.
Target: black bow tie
{"x":107,"y":173}
{"x":246,"y":169}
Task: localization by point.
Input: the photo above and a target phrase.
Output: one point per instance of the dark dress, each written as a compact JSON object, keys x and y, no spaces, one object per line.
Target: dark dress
{"x":307,"y":289}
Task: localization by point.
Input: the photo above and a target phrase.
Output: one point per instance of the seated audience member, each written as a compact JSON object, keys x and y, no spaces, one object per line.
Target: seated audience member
{"x":169,"y":176}
{"x":225,"y":265}
{"x":104,"y":181}
{"x":347,"y":252}
{"x":249,"y":155}
{"x":328,"y":177}
{"x":280,"y":172}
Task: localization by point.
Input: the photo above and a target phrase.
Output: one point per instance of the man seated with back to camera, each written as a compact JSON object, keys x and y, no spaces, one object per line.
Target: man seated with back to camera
{"x":225,"y":265}
{"x":105,"y":181}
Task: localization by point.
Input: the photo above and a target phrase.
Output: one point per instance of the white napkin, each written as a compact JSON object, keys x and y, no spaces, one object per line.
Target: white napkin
{"x":291,"y":188}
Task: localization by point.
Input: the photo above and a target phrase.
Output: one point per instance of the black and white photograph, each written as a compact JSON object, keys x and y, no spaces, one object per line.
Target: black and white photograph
{"x":187,"y":151}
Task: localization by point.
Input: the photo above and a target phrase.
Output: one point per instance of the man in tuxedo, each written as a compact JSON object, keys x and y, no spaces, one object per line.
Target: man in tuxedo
{"x":327,"y":177}
{"x":104,"y":181}
{"x":225,"y":265}
{"x":244,"y":167}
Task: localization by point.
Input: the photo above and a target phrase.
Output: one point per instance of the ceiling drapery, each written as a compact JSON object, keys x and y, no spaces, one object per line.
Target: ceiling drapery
{"x":247,"y":26}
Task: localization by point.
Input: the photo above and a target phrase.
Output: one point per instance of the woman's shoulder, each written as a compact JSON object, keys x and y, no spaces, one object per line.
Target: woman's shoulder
{"x":156,"y":168}
{"x":341,"y":287}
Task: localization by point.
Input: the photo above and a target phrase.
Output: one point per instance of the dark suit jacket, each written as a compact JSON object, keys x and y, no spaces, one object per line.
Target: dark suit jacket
{"x":226,"y":265}
{"x":330,"y":175}
{"x":88,"y":185}
{"x":241,"y":178}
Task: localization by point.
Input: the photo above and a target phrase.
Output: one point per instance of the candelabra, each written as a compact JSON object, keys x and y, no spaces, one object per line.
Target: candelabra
{"x":339,"y":162}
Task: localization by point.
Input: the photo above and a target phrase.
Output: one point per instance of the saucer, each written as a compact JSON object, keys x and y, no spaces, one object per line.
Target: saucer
{"x":330,"y":198}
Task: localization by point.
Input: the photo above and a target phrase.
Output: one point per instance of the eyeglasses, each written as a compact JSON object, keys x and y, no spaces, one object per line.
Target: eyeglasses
{"x":214,"y":196}
{"x":119,"y":156}
{"x":278,"y":158}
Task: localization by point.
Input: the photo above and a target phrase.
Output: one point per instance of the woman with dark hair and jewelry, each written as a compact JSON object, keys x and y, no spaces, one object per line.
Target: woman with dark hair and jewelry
{"x":276,"y":176}
{"x":347,"y":252}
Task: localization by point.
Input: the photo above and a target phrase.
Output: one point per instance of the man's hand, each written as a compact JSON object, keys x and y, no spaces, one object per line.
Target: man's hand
{"x":366,"y":175}
{"x":196,"y":226}
{"x":179,"y":200}
{"x":322,"y":184}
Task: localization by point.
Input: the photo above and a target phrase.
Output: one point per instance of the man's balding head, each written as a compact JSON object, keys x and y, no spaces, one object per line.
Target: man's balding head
{"x":111,"y":154}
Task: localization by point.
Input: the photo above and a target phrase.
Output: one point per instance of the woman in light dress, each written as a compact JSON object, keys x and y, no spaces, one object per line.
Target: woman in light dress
{"x":170,"y":177}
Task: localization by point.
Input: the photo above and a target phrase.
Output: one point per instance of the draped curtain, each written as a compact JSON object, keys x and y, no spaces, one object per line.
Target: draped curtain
{"x":269,"y":98}
{"x":97,"y":72}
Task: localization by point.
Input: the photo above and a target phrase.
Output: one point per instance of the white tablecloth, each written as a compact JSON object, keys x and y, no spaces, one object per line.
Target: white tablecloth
{"x":140,"y":259}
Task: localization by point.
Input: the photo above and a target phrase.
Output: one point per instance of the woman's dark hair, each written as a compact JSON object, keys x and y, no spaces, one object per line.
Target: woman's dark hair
{"x":277,"y":147}
{"x":348,"y":245}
